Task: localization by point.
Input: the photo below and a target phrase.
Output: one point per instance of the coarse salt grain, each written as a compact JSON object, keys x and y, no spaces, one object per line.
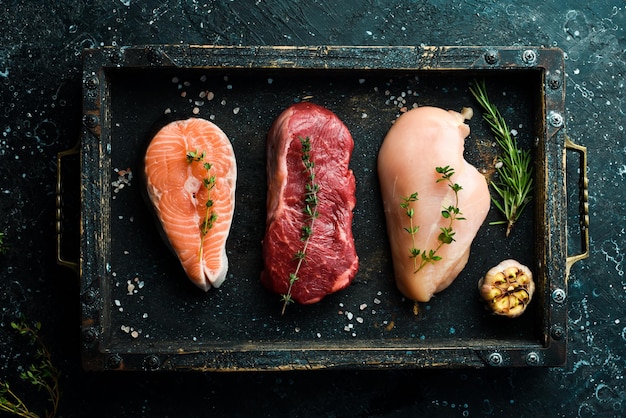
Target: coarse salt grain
{"x":363,"y":306}
{"x":134,"y":334}
{"x":195,"y":110}
{"x":236,"y":110}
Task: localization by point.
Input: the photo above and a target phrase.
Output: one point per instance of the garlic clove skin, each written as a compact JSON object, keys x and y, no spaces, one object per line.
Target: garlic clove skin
{"x":507,"y":288}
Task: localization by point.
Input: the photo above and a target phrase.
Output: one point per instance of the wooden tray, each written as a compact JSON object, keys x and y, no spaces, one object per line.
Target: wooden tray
{"x":140,"y":312}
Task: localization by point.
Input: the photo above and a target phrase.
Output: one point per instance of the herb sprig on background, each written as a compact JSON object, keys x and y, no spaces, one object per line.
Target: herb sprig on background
{"x":41,"y":374}
{"x":515,"y":171}
{"x":4,"y":247}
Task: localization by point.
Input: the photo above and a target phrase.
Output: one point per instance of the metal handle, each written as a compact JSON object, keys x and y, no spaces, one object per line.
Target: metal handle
{"x":584,"y":206}
{"x":74,"y":265}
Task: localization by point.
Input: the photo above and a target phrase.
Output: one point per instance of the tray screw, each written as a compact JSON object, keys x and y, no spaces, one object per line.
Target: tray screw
{"x":495,"y":359}
{"x":114,"y":361}
{"x":558,"y":295}
{"x":92,"y":82}
{"x":532,"y":359}
{"x":90,"y":335}
{"x":116,"y":57}
{"x":555,"y":119}
{"x":152,"y":362}
{"x":91,"y":120}
{"x":557,"y":332}
{"x":491,"y":57}
{"x":554,"y":82}
{"x":89,"y":297}
{"x":154,"y":55}
{"x":529,"y":56}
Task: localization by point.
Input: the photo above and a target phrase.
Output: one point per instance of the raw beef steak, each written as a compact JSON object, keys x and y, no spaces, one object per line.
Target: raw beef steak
{"x":330,"y":261}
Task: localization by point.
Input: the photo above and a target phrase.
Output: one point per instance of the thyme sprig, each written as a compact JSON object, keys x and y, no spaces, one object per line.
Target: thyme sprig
{"x":42,"y":374}
{"x":452,"y":212}
{"x":208,"y":183}
{"x":311,"y":188}
{"x":515,"y":171}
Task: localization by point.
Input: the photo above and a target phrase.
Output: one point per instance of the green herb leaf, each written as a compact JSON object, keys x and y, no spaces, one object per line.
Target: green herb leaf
{"x":514,"y":185}
{"x":311,"y":214}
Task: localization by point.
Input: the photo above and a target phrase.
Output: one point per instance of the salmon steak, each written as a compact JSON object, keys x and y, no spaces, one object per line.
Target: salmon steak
{"x":422,"y":147}
{"x":308,"y":247}
{"x":191,"y":174}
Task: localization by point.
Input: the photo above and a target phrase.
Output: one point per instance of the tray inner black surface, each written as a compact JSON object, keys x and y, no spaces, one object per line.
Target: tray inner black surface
{"x":164,"y":309}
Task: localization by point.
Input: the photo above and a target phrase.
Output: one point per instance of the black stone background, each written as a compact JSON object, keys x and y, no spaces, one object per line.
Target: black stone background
{"x":40,"y":115}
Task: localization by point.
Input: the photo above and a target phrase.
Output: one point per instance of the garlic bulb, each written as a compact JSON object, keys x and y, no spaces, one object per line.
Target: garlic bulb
{"x":507,"y":288}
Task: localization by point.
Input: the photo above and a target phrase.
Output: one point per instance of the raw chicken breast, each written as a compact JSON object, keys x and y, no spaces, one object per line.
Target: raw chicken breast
{"x":418,"y":142}
{"x":191,"y":172}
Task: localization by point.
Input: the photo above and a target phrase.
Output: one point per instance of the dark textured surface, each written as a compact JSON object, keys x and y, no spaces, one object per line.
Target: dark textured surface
{"x":40,"y":115}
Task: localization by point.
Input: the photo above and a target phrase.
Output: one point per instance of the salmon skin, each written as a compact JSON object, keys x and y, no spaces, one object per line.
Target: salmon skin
{"x":191,"y":173}
{"x":330,"y":261}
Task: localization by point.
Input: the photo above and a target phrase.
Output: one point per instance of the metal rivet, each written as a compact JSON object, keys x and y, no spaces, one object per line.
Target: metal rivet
{"x":495,"y":359}
{"x":154,"y":55}
{"x":91,"y":120}
{"x":558,"y":295}
{"x":532,"y":359}
{"x":557,"y":332}
{"x":554,"y":82}
{"x":114,"y":361}
{"x":555,"y":119}
{"x":89,"y":297}
{"x":92,"y":82}
{"x":116,"y":57}
{"x":491,"y":57}
{"x":152,"y":362}
{"x":90,"y":335}
{"x":529,"y":56}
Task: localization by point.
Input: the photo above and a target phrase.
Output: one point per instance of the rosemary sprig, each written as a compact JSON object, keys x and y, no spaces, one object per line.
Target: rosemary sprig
{"x":311,"y":214}
{"x":42,"y":375}
{"x":515,"y":171}
{"x":446,"y":236}
{"x":208,"y":183}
